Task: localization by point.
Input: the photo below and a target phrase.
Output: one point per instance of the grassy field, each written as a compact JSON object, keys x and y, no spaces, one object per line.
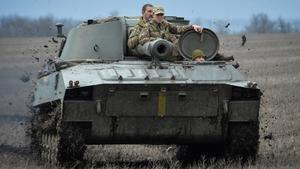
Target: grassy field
{"x":271,"y":60}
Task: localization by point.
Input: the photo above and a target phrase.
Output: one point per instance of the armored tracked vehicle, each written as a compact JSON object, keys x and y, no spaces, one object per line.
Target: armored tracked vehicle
{"x":100,"y":92}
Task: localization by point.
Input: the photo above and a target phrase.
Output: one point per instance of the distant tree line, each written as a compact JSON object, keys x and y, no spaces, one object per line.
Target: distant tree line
{"x":258,"y":23}
{"x":20,"y":26}
{"x":261,"y":23}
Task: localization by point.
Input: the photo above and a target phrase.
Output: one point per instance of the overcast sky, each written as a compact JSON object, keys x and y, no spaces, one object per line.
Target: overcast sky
{"x":211,"y":9}
{"x":236,"y":12}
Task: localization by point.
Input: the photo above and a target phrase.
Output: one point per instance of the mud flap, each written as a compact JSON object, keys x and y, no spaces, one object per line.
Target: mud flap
{"x":243,"y":111}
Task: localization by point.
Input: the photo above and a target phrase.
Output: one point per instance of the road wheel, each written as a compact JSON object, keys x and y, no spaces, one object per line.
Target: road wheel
{"x":49,"y":151}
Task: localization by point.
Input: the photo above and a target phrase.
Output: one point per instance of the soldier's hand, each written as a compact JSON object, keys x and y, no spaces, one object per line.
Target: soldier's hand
{"x":198,"y":28}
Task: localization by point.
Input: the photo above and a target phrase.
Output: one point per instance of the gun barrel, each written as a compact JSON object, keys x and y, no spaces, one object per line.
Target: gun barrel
{"x":158,"y":48}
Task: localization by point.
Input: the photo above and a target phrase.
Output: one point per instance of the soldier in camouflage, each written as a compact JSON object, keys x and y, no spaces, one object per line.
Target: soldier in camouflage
{"x":158,"y":27}
{"x":147,"y":14}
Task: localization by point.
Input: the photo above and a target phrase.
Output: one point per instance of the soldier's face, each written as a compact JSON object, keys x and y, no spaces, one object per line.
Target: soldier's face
{"x":159,"y":18}
{"x":148,"y":13}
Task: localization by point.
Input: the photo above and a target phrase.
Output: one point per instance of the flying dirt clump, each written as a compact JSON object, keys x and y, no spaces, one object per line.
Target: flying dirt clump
{"x":25,"y":77}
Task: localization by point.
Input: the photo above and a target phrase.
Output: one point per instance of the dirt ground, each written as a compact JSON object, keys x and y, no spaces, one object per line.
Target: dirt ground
{"x":271,"y":60}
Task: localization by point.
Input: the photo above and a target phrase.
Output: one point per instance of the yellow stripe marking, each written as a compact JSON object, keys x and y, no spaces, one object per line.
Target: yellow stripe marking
{"x":162,"y":99}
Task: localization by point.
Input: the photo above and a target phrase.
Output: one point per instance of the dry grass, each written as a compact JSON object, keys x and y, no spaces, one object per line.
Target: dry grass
{"x":271,"y":60}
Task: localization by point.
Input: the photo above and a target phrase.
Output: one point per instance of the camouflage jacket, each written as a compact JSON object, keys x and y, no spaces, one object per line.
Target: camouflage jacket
{"x":164,"y":30}
{"x":133,"y":39}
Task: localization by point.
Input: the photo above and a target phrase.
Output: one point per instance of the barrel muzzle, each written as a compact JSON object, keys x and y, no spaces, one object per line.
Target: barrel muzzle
{"x":160,"y":48}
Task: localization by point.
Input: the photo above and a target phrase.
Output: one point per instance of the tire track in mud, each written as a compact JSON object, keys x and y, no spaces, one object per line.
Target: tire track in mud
{"x":14,"y":119}
{"x":14,"y":150}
